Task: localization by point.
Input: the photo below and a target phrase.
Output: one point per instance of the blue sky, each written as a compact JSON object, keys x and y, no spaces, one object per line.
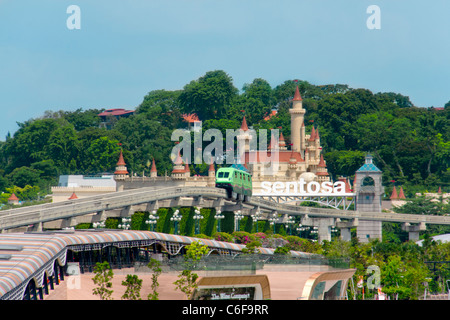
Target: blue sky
{"x":125,"y":49}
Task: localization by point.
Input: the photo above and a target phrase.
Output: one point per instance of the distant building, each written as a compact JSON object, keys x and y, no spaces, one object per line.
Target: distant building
{"x":194,"y":123}
{"x":79,"y":186}
{"x":13,"y":199}
{"x":109,"y":116}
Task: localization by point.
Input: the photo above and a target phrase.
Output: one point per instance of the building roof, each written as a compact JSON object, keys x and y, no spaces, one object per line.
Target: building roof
{"x":26,"y":255}
{"x":73,"y":196}
{"x":297,"y":96}
{"x":244,"y":126}
{"x":368,"y":166}
{"x":153,"y":166}
{"x":115,"y":112}
{"x":13,"y":197}
{"x":121,"y":162}
{"x":284,"y":156}
{"x":394,"y":194}
{"x":190,"y":117}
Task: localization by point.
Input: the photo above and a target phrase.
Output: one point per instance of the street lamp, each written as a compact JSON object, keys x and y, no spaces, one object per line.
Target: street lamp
{"x":197,"y":217}
{"x":301,"y":228}
{"x":272,"y":221}
{"x":237,"y":217}
{"x":98,"y":225}
{"x":152,"y":219}
{"x":290,"y":221}
{"x":176,"y":218}
{"x":218,"y":216}
{"x":125,"y":223}
{"x":255,"y":218}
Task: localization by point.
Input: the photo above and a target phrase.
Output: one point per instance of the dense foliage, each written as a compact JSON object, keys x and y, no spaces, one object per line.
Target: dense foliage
{"x":410,"y":144}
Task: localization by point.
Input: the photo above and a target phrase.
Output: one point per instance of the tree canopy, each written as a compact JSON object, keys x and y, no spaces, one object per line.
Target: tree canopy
{"x":410,"y":144}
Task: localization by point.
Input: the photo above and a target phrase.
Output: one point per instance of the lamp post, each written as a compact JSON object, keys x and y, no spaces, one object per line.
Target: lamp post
{"x":314,"y":231}
{"x":272,"y":221}
{"x":290,"y":221}
{"x":197,"y":217}
{"x":255,"y":218}
{"x":98,"y":225}
{"x":301,"y":228}
{"x":176,"y":218}
{"x":237,"y":217}
{"x":125,"y":223}
{"x":152,"y":219}
{"x":218,"y":216}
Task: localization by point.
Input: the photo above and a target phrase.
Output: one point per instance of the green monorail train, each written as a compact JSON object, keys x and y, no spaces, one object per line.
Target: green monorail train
{"x":238,"y":183}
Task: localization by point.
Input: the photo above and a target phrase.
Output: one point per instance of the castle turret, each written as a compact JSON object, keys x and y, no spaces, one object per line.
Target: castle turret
{"x":322,"y":173}
{"x":297,"y":115}
{"x":121,"y":172}
{"x":153,"y":171}
{"x":179,"y":171}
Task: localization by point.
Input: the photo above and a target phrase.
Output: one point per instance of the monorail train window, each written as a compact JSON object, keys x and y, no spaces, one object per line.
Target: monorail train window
{"x":220,"y":175}
{"x":226,"y":174}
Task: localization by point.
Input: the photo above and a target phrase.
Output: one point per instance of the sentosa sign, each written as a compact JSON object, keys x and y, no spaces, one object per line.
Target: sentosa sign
{"x":302,"y":188}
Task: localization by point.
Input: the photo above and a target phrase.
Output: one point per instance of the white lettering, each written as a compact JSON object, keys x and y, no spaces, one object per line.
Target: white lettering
{"x":374,"y":21}
{"x":266,"y":185}
{"x":327,"y":186}
{"x":298,"y":187}
{"x":339,"y":187}
{"x":73,"y":21}
{"x":278,"y":187}
{"x":316,"y":187}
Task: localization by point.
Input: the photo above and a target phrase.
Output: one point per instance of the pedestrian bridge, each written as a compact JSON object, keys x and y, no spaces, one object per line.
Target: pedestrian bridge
{"x":32,"y":263}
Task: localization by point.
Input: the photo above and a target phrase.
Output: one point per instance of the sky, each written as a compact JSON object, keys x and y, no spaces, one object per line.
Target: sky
{"x":124,"y":49}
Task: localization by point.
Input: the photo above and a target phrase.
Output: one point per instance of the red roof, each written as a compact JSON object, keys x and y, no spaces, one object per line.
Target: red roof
{"x":272,"y":113}
{"x":313,"y":134}
{"x":13,"y":197}
{"x":297,"y":96}
{"x":244,"y":126}
{"x":121,"y":162}
{"x":191,"y":117}
{"x":322,"y":162}
{"x":153,"y":166}
{"x":394,"y":194}
{"x":73,"y":196}
{"x":115,"y":112}
{"x":401,"y":195}
{"x":284,"y":156}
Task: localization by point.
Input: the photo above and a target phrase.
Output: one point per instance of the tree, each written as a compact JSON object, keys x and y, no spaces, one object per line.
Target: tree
{"x":209,"y":96}
{"x":155,"y":265}
{"x":102,"y":155}
{"x":195,"y":251}
{"x":133,"y":285}
{"x":103,"y":276}
{"x":186,"y":282}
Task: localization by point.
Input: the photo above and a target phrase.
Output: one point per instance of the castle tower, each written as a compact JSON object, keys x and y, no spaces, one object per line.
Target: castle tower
{"x":322,"y":172}
{"x":179,"y":171}
{"x":244,"y":135}
{"x":121,"y":172}
{"x":369,"y":192}
{"x":297,"y":115}
{"x":153,"y":171}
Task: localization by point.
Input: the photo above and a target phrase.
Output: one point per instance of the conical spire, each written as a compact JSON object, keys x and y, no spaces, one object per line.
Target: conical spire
{"x":394,"y":195}
{"x":244,"y":126}
{"x":401,"y":195}
{"x":121,"y":162}
{"x":73,"y":196}
{"x":313,"y":134}
{"x":297,"y":96}
{"x":13,"y":197}
{"x":153,"y":166}
{"x":322,"y":162}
